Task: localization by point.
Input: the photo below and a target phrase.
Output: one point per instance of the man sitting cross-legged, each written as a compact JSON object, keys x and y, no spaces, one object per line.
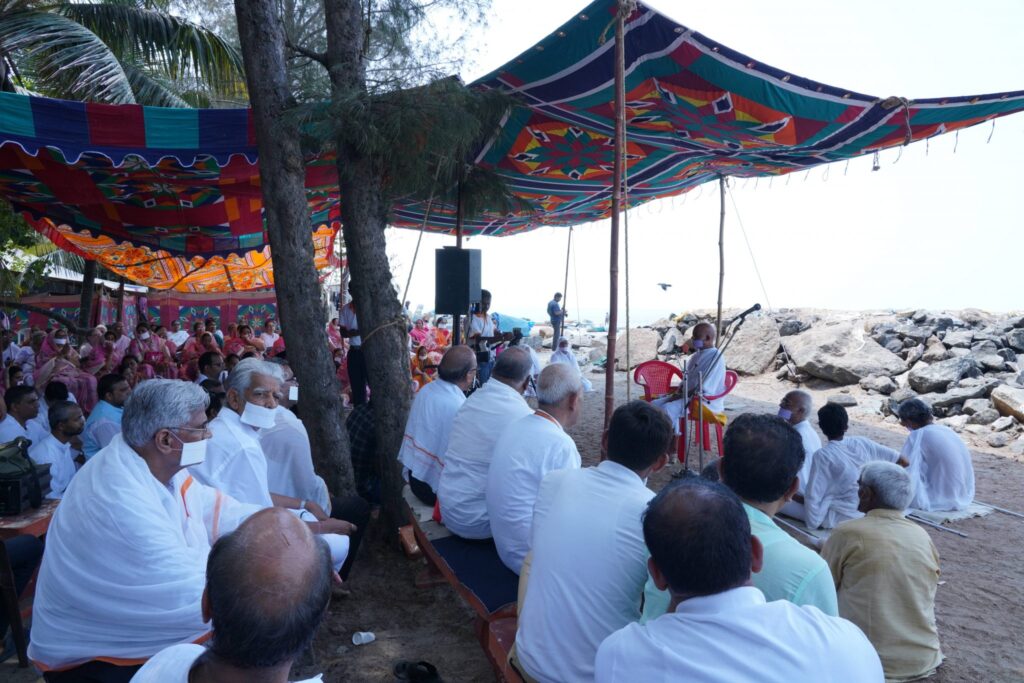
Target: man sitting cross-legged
{"x":830,"y":493}
{"x":940,"y":464}
{"x":886,"y":570}
{"x":525,"y":452}
{"x":122,"y":576}
{"x":589,"y":558}
{"x":720,"y":628}
{"x":264,"y":614}
{"x":762,"y":457}
{"x":236,"y":464}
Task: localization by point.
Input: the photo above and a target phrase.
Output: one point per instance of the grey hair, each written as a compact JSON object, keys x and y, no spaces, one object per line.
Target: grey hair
{"x":160,"y":404}
{"x":59,"y":412}
{"x":556,"y":383}
{"x":804,"y":399}
{"x":240,"y":378}
{"x":890,"y":482}
{"x":514,"y":364}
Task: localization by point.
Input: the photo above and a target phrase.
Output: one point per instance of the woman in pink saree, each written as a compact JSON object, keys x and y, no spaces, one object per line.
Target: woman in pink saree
{"x":97,"y":354}
{"x":333,"y":335}
{"x":154,"y":357}
{"x":57,"y":360}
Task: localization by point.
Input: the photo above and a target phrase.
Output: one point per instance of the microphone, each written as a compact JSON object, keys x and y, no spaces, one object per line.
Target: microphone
{"x":744,"y":314}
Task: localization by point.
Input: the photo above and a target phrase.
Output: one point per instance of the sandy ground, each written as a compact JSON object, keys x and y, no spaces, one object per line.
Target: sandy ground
{"x":980,"y":604}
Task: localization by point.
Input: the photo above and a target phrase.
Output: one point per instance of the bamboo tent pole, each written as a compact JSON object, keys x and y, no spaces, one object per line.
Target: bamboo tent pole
{"x":613,"y":269}
{"x":565,"y":288}
{"x":721,"y":256}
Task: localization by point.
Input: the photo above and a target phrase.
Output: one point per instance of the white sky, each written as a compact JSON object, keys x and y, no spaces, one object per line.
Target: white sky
{"x":935,"y":230}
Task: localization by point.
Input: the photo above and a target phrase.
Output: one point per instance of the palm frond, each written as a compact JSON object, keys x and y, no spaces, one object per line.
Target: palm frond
{"x":152,"y":90}
{"x":177,"y":46}
{"x":63,"y":51}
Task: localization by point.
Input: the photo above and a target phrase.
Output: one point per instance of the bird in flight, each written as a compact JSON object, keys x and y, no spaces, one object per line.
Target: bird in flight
{"x":664,"y":286}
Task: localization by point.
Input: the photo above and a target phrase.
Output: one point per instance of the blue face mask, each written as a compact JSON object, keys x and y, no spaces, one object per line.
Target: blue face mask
{"x":698,"y":344}
{"x":785,"y":414}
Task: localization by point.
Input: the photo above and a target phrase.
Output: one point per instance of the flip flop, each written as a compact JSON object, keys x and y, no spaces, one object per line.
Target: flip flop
{"x":417,"y":672}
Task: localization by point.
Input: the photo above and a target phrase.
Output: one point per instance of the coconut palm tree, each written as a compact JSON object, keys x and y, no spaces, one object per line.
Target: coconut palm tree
{"x":114,"y":51}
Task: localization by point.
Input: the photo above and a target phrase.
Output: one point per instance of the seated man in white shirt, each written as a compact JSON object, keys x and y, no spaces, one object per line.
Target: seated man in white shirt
{"x":795,"y":408}
{"x":830,"y":494}
{"x":940,"y":464}
{"x":123,"y":573}
{"x":235,"y":463}
{"x":719,"y":628}
{"x":264,"y":614}
{"x":525,"y":452}
{"x":462,"y":491}
{"x":704,"y":371}
{"x":589,"y":559}
{"x":177,"y":335}
{"x":66,"y":422}
{"x":22,"y":404}
{"x":430,"y":422}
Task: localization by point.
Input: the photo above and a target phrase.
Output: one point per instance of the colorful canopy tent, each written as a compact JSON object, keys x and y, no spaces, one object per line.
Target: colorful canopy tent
{"x":169,"y":198}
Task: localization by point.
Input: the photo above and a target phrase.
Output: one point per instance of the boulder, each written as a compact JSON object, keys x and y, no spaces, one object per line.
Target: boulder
{"x":1009,"y":401}
{"x":984,"y":417}
{"x":926,"y":378}
{"x":1015,"y":339}
{"x":919,"y":316}
{"x":643,"y":346}
{"x":894,"y":344}
{"x":1008,"y":355}
{"x":913,"y":355}
{"x":793,"y":326}
{"x":596,"y":354}
{"x":935,"y":352}
{"x":956,"y":423}
{"x":754,"y":347}
{"x":974,"y":316}
{"x":672,"y":340}
{"x":919,"y":333}
{"x":990,"y":362}
{"x":844,"y":400}
{"x":998,"y":439}
{"x":956,"y":395}
{"x":543,"y":331}
{"x":533,"y":341}
{"x":841,"y":353}
{"x":976,"y":405}
{"x":959,"y":338}
{"x":880,"y":383}
{"x":1004,"y":423}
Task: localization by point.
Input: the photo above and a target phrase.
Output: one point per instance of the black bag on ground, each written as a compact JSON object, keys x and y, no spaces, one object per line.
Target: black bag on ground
{"x":20,"y":487}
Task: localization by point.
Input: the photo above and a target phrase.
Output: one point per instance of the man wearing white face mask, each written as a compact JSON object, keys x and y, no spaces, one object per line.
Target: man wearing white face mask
{"x":124,"y":568}
{"x":703,"y":371}
{"x":795,"y":407}
{"x":236,"y":464}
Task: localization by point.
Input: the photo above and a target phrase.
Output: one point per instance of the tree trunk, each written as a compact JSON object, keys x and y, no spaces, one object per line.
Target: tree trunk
{"x":72,"y":326}
{"x":283,"y":174}
{"x":364,"y":213}
{"x":88,"y":288}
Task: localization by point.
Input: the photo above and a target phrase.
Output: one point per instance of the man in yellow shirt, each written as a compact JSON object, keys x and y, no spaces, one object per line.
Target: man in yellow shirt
{"x":886,"y":570}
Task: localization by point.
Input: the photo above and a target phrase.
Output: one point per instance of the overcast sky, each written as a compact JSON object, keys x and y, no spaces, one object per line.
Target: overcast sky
{"x":940,"y":228}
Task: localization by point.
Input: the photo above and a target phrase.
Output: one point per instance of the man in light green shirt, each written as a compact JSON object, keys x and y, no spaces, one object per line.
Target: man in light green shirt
{"x":762,"y":455}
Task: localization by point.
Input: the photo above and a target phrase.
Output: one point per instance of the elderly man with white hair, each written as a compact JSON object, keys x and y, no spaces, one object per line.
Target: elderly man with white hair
{"x":940,"y":464}
{"x":525,"y":452}
{"x":476,"y":428}
{"x":886,"y":571}
{"x":795,"y":408}
{"x":704,"y":371}
{"x":124,"y":569}
{"x":235,"y":462}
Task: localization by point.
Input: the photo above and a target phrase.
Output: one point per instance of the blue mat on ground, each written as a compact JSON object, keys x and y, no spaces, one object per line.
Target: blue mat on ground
{"x":478,"y":568}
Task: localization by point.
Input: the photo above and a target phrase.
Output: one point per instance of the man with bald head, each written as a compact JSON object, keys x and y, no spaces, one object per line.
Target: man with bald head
{"x":703,"y":372}
{"x":430,"y":421}
{"x":264,"y":614}
{"x":795,"y":408}
{"x":715,"y":606}
{"x":475,"y":429}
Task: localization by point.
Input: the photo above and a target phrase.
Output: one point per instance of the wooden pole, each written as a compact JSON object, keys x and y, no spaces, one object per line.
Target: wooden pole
{"x":721,"y":256}
{"x":565,"y":288}
{"x":613,"y":270}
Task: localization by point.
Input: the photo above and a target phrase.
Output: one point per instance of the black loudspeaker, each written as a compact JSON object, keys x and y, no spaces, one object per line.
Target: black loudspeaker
{"x":456,"y":280}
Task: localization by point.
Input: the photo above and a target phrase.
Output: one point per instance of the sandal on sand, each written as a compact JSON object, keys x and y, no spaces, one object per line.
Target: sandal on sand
{"x":418,"y":672}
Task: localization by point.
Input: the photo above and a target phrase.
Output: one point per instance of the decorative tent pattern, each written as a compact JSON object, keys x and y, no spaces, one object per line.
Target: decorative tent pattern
{"x":171,"y":197}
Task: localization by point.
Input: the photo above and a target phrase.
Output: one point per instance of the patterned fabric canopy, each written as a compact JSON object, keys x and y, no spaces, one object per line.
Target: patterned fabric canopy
{"x":695,"y":109}
{"x":171,"y":197}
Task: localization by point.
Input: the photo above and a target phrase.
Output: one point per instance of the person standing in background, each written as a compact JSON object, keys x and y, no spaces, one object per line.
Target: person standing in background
{"x":557,"y":316}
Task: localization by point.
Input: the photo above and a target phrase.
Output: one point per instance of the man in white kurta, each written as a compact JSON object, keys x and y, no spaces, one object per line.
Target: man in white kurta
{"x":235,"y":462}
{"x":830,"y":495}
{"x":431,"y":418}
{"x":940,"y":464}
{"x":125,"y":560}
{"x":22,"y":404}
{"x":719,"y":628}
{"x":589,"y":559}
{"x":795,"y":408}
{"x":66,"y":422}
{"x":477,"y":426}
{"x":525,"y":452}
{"x":705,"y":370}
{"x":290,"y":469}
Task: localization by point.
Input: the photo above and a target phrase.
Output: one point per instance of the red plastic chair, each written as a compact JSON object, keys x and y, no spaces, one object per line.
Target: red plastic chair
{"x":657,"y":377}
{"x":731,"y":378}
